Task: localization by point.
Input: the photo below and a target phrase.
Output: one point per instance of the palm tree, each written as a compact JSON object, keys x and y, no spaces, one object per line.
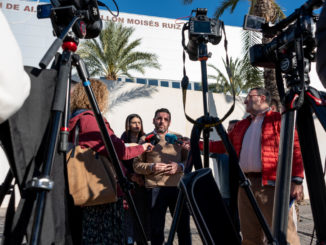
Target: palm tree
{"x":242,"y":81}
{"x":272,"y":12}
{"x":268,"y":9}
{"x":113,"y":54}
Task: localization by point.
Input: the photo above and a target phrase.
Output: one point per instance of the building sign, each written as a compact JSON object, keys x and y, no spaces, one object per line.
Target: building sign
{"x":122,"y":18}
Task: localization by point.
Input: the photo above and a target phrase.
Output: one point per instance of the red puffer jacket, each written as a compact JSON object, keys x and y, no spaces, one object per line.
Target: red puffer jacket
{"x":270,"y":139}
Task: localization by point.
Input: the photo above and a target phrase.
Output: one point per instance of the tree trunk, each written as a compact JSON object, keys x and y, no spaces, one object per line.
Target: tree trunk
{"x":265,"y":9}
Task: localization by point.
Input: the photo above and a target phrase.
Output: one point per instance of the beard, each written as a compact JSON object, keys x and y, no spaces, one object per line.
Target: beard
{"x":161,"y":130}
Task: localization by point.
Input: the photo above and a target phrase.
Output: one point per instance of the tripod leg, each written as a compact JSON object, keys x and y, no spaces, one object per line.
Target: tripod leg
{"x":5,"y":187}
{"x":313,"y":169}
{"x":64,"y":131}
{"x":176,"y":216}
{"x":206,"y":147}
{"x":283,"y":180}
{"x":194,"y":158}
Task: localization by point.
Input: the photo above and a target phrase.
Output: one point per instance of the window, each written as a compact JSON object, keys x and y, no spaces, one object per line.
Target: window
{"x":164,"y":83}
{"x":119,"y":79}
{"x":197,"y":87}
{"x":141,"y":80}
{"x":153,"y":82}
{"x":189,"y":86}
{"x":175,"y":85}
{"x":129,"y":80}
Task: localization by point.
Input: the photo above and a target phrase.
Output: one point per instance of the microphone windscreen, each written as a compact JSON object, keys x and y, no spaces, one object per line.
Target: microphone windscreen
{"x":152,"y":138}
{"x":148,"y":137}
{"x":171,"y":138}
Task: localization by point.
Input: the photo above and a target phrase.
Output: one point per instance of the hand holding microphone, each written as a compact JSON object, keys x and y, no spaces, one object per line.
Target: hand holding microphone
{"x":147,"y":146}
{"x":151,"y":140}
{"x":173,"y":139}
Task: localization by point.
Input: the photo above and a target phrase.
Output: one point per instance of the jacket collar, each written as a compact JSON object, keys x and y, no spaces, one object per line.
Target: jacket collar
{"x":267,"y":111}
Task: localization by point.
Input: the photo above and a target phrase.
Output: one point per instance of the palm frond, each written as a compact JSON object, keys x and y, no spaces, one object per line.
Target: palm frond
{"x":278,"y":13}
{"x":226,"y":4}
{"x":113,"y":53}
{"x":244,"y":78}
{"x":187,"y":1}
{"x":138,"y":92}
{"x":248,"y":39}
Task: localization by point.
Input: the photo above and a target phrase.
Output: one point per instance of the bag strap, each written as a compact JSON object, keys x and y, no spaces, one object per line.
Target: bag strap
{"x":76,"y":139}
{"x":76,"y":131}
{"x":76,"y":134}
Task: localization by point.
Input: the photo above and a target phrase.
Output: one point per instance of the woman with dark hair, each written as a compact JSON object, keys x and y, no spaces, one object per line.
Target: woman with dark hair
{"x":101,"y":224}
{"x":134,"y":130}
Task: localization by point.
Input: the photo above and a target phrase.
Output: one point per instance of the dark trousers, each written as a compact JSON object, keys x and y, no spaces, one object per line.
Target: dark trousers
{"x":161,"y":198}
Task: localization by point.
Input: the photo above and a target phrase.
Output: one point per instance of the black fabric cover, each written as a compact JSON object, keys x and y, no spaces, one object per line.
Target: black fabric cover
{"x":207,"y":207}
{"x":24,"y":137}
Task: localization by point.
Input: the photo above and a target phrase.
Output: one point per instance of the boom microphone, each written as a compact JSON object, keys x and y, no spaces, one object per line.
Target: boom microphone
{"x":172,"y":139}
{"x":152,"y":138}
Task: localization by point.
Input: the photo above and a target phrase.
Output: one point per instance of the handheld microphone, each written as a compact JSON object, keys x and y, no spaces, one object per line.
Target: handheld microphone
{"x":172,"y":139}
{"x":152,"y":138}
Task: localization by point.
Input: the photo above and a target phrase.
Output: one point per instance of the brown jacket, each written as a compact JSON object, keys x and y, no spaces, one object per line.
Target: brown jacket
{"x":162,"y":153}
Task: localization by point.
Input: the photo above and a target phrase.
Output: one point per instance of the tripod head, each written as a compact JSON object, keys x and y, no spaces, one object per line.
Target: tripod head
{"x":201,"y":30}
{"x":81,"y":17}
{"x":88,"y":24}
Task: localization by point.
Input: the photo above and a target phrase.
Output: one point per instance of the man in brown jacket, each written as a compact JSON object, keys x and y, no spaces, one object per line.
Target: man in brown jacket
{"x":163,"y":167}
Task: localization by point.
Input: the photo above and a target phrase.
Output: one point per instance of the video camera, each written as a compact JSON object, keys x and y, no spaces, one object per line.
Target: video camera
{"x":62,"y":12}
{"x":201,"y":29}
{"x":281,"y":48}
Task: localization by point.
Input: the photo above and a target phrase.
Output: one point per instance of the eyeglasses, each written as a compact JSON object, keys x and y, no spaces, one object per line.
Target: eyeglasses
{"x":251,"y":95}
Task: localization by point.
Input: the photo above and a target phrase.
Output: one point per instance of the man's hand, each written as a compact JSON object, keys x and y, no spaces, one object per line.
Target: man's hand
{"x":161,"y":167}
{"x":186,"y":143}
{"x":174,"y":168}
{"x":296,"y":191}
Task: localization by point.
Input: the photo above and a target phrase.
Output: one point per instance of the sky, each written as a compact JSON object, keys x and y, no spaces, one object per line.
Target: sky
{"x":176,"y":9}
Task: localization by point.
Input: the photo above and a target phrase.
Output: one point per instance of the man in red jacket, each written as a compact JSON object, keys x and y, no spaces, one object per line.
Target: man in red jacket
{"x":256,"y":141}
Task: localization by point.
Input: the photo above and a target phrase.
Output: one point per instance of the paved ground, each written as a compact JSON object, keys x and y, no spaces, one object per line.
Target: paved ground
{"x":305,"y":226}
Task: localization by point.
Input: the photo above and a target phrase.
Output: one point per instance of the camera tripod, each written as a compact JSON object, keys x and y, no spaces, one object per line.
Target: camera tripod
{"x":300,"y":102}
{"x":42,"y":184}
{"x":224,"y":227}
